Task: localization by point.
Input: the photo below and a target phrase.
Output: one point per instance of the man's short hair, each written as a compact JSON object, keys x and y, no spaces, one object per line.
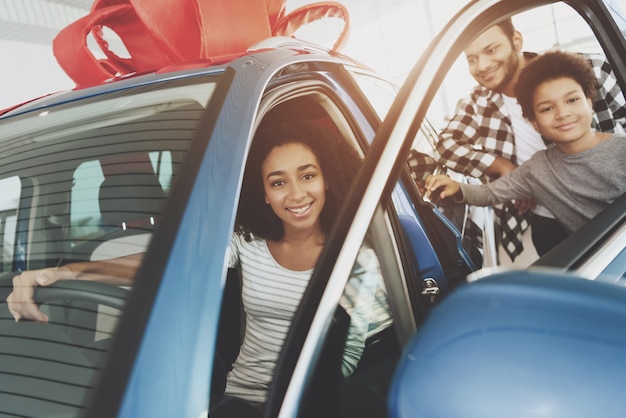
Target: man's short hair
{"x":507,"y":27}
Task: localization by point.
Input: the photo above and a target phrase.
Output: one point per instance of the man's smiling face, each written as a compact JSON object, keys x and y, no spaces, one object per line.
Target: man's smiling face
{"x":493,"y":58}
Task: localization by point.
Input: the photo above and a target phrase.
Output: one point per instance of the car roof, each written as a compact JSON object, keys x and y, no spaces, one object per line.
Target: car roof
{"x":291,"y":46}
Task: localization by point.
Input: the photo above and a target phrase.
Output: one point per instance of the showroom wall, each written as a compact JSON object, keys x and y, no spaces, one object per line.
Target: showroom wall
{"x":387,"y":35}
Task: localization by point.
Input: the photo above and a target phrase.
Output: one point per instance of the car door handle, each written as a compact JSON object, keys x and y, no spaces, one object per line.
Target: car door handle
{"x":430,"y":290}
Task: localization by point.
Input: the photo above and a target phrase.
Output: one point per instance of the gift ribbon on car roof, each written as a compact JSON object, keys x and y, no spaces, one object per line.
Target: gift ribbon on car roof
{"x":157,"y":34}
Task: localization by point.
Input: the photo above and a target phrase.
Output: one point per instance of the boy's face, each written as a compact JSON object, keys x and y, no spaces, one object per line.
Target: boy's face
{"x":563,"y":113}
{"x":493,"y":58}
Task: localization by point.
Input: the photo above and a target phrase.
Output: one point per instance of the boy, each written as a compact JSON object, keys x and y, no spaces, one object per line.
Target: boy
{"x":581,"y":172}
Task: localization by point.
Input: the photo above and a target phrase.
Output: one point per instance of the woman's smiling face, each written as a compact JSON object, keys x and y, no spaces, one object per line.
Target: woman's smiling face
{"x":294,"y":186}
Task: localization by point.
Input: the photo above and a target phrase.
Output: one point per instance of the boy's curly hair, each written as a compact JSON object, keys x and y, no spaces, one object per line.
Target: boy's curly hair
{"x":553,"y":65}
{"x":338,"y":159}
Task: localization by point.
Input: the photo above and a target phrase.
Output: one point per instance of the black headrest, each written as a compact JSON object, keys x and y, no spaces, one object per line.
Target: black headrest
{"x":131,"y":197}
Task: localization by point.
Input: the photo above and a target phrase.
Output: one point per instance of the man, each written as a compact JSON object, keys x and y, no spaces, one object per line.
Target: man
{"x":488,"y":136}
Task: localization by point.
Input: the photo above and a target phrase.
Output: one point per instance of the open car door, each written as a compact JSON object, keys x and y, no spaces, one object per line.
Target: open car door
{"x":384,"y":162}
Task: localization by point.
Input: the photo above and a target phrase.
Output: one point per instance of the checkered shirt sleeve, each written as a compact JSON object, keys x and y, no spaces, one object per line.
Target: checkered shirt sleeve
{"x":421,"y":165}
{"x":476,"y":134}
{"x":609,"y":104}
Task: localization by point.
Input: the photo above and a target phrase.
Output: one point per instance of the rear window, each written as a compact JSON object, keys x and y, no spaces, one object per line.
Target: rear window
{"x":82,"y":172}
{"x":10,"y":195}
{"x":84,"y":180}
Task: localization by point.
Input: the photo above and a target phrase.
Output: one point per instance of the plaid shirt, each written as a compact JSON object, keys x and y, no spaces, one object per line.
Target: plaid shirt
{"x":481,"y":130}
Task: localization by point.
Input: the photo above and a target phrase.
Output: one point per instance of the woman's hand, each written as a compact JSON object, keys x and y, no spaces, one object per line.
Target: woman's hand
{"x":444,"y":184}
{"x":21,"y":301}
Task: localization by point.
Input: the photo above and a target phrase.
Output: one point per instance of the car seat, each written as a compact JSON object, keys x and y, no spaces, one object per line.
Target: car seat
{"x":130,"y":204}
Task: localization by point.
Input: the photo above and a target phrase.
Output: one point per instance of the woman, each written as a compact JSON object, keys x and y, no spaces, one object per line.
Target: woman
{"x":295,"y":179}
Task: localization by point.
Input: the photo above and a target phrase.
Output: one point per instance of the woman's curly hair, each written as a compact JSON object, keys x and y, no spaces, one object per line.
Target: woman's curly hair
{"x":553,"y":65}
{"x":339,"y":162}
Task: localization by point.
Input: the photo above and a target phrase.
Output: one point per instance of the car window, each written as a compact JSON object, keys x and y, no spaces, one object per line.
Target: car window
{"x":555,"y":26}
{"x":392,"y":314}
{"x":83,"y":181}
{"x":379,"y":92}
{"x":95,"y":211}
{"x":10,"y":190}
{"x":107,"y":169}
{"x":360,"y":350}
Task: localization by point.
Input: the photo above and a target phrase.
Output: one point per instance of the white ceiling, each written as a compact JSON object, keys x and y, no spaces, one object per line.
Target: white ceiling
{"x":38,"y":21}
{"x":387,"y":35}
{"x":27,"y":28}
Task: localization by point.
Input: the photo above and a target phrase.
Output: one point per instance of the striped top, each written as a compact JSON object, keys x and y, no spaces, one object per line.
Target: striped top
{"x":271,"y":294}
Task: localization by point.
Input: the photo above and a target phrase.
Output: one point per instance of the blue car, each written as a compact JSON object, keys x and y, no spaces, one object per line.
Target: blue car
{"x":154,"y":164}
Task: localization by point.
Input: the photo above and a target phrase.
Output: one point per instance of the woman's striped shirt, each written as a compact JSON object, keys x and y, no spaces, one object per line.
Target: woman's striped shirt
{"x":271,"y":294}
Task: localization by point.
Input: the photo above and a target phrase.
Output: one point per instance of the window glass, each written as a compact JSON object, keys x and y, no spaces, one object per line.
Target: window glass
{"x":492,"y":231}
{"x":83,"y":180}
{"x":379,"y":92}
{"x":82,"y":153}
{"x":85,"y":209}
{"x":361,"y":347}
{"x":9,"y":202}
{"x":88,"y":200}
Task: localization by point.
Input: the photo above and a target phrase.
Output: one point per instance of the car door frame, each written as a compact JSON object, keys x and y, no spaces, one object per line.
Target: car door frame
{"x":382,"y":166}
{"x":132,"y":383}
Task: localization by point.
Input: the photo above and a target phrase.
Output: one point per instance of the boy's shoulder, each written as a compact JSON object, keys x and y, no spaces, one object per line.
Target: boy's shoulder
{"x":617,"y":141}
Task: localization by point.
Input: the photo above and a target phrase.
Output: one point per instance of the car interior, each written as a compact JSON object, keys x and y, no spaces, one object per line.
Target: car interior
{"x":314,"y":105}
{"x":330,"y":394}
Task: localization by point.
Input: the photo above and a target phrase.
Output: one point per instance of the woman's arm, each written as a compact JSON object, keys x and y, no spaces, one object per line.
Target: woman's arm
{"x":116,"y":271}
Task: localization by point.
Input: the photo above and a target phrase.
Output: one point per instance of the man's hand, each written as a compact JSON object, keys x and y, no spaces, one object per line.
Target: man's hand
{"x":20,"y":301}
{"x":444,"y":184}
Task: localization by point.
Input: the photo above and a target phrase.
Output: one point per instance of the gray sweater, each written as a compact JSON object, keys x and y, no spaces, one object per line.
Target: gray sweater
{"x":574,"y":187}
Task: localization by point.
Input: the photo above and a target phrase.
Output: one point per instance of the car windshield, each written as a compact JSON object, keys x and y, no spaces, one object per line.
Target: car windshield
{"x":83,"y":180}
